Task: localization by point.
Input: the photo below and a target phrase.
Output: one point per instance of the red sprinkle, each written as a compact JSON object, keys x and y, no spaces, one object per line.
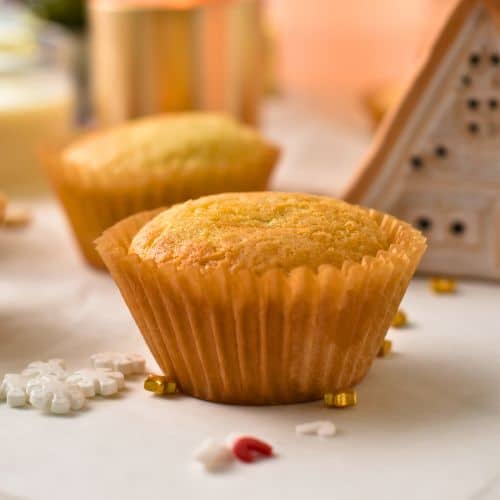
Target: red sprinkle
{"x":246,"y":448}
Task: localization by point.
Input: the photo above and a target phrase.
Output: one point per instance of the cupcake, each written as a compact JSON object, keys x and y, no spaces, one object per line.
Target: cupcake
{"x":155,"y":162}
{"x":262,"y":298}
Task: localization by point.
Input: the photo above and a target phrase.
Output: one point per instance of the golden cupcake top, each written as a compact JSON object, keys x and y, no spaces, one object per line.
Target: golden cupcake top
{"x":260,"y":231}
{"x":163,"y":144}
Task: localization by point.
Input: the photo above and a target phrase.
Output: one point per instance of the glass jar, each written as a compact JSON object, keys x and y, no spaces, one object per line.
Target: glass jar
{"x":36,"y":101}
{"x":156,"y":56}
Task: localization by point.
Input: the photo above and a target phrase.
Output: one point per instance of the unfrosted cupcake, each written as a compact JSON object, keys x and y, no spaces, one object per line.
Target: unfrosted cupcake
{"x":263,"y":298}
{"x":155,"y":162}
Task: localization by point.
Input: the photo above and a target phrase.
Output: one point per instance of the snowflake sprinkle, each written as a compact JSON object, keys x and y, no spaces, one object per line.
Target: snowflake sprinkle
{"x":53,"y":367}
{"x":51,"y":394}
{"x":126,"y":363}
{"x":102,"y":381}
{"x":13,"y":389}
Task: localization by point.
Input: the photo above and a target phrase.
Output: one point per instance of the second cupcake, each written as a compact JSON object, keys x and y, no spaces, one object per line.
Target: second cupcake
{"x":155,"y":162}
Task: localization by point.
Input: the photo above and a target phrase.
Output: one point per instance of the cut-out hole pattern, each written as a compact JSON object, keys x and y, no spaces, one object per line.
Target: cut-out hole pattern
{"x":474,"y":59}
{"x":473,"y":104}
{"x":423,"y":223}
{"x":441,"y":151}
{"x":416,"y":162}
{"x":457,"y":228}
{"x":466,"y":80}
{"x":473,"y":128}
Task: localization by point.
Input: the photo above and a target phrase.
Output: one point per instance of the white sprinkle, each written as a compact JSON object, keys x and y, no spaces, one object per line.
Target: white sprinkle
{"x":13,"y":389}
{"x":126,"y":363}
{"x":102,"y":381}
{"x":322,"y":428}
{"x":50,"y":394}
{"x":212,"y":454}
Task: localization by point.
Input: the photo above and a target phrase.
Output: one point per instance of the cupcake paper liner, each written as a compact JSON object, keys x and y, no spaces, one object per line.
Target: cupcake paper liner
{"x":94,"y":201}
{"x":279,"y":337}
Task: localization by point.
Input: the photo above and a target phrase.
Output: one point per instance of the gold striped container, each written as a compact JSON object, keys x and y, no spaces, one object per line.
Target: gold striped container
{"x":158,"y":56}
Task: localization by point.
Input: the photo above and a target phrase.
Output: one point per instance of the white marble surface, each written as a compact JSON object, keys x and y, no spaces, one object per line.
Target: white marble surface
{"x":427,"y":425}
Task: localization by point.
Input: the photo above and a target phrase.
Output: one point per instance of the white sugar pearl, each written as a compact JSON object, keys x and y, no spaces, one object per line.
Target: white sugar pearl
{"x":322,"y":428}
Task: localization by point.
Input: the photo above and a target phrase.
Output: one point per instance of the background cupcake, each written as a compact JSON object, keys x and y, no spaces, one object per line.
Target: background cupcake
{"x":153,"y":162}
{"x":262,"y":298}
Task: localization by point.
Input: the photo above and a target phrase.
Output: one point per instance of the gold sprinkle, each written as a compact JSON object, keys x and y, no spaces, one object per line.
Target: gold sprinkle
{"x":400,"y":320}
{"x":159,"y":384}
{"x":171,"y":388}
{"x":385,"y":349}
{"x":443,"y":285}
{"x":341,"y":399}
{"x":16,"y":217}
{"x":155,"y":383}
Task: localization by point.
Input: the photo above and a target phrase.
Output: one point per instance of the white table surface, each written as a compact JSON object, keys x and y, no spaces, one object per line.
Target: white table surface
{"x":427,"y":425}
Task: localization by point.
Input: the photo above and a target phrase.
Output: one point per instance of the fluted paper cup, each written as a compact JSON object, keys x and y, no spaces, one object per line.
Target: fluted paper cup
{"x":278,"y":337}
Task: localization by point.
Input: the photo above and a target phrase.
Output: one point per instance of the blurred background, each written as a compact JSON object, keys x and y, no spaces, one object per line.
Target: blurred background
{"x":316,"y":76}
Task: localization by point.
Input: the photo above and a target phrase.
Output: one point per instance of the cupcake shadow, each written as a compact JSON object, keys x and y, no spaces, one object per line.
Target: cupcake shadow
{"x":399,"y":395}
{"x":407,"y":392}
